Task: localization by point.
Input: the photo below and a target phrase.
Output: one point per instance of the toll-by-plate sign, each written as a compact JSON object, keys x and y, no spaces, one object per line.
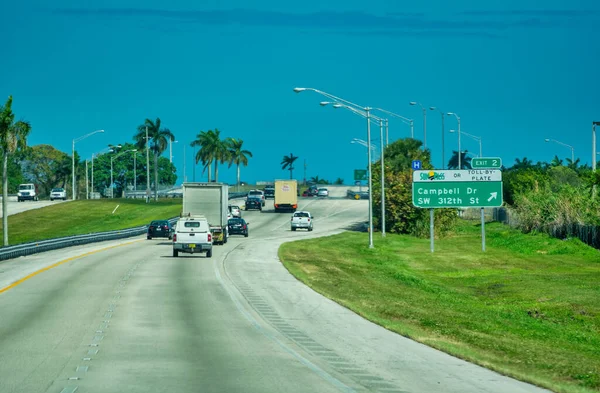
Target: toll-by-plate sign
{"x":457,"y":188}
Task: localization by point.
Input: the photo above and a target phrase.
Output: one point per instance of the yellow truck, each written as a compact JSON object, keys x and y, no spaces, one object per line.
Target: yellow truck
{"x":286,"y":195}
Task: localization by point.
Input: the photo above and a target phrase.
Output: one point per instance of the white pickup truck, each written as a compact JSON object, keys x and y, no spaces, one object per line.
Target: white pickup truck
{"x":192,"y":235}
{"x":302,"y":219}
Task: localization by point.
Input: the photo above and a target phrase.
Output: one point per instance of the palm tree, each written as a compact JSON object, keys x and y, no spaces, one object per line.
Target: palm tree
{"x":524,"y":163}
{"x":556,"y":161}
{"x":465,"y":161}
{"x":288,"y":163}
{"x":159,"y":141}
{"x":237,"y":155}
{"x":315,"y":180}
{"x":573,"y":164}
{"x":13,"y":137}
{"x":212,"y":149}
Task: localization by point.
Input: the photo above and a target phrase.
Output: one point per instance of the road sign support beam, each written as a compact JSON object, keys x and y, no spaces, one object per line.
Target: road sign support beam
{"x":431,"y":229}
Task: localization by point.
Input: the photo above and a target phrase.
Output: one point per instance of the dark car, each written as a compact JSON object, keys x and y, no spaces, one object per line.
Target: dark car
{"x":160,"y":228}
{"x":253,"y":203}
{"x":269,"y":192}
{"x":237,"y":226}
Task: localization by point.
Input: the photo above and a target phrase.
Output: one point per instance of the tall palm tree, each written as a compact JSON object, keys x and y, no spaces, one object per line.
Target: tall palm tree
{"x":465,"y":161}
{"x":556,"y":161}
{"x":237,"y":155}
{"x":288,"y":163}
{"x":524,"y":163}
{"x":13,"y":137}
{"x":159,"y":141}
{"x":573,"y":164}
{"x":212,"y":149}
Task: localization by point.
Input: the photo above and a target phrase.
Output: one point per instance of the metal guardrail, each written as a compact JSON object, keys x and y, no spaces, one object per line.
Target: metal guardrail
{"x":24,"y":249}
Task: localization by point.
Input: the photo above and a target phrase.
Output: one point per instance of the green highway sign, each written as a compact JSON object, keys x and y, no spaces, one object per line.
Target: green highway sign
{"x":360,"y":174}
{"x":486,"y":162}
{"x":457,"y":189}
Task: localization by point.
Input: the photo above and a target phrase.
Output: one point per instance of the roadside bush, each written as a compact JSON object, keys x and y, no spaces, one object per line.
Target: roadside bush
{"x":553,"y":206}
{"x":401,"y":216}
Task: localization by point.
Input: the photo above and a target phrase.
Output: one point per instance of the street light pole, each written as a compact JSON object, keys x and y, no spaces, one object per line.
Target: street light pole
{"x":135,"y":173}
{"x":366,"y":110}
{"x":459,"y":151}
{"x":405,"y":120}
{"x":111,"y":177}
{"x":433,"y":108}
{"x":594,"y":158}
{"x":564,"y":144}
{"x":147,"y":167}
{"x":476,"y":138}
{"x":424,"y":122}
{"x":370,"y":147}
{"x":87,"y":189}
{"x":382,"y":178}
{"x":184,"y":159}
{"x":171,"y":141}
{"x":73,"y":197}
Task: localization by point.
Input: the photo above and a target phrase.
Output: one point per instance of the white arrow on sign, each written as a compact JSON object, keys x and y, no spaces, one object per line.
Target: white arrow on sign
{"x":493,"y":195}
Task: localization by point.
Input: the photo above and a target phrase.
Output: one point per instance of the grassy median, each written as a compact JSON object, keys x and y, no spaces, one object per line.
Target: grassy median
{"x":528,"y":307}
{"x":87,"y":216}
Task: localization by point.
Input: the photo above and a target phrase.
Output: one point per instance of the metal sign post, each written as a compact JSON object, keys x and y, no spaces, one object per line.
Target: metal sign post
{"x":431,"y":229}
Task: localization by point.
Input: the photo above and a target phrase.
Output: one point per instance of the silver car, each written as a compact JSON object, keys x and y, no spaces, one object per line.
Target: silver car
{"x":235,"y":211}
{"x":323,"y":192}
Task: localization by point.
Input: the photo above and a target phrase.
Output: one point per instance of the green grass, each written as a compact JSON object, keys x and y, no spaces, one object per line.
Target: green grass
{"x":87,"y":216}
{"x":529,"y":307}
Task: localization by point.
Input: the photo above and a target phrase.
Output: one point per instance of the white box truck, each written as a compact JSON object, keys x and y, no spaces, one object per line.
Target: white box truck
{"x":286,"y":195}
{"x":210,"y":200}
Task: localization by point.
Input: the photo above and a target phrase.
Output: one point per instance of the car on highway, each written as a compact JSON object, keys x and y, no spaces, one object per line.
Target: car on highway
{"x":312,"y":191}
{"x":160,"y":228}
{"x":237,"y":226}
{"x":302,"y":219}
{"x":269,"y":192}
{"x":323,"y":192}
{"x":253,"y":203}
{"x":258,"y":194}
{"x":58,"y":193}
{"x":235,"y":211}
{"x":192,"y":235}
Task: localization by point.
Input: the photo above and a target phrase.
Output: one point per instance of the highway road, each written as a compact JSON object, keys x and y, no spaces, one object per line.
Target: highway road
{"x":15,"y":207}
{"x":126,"y":316}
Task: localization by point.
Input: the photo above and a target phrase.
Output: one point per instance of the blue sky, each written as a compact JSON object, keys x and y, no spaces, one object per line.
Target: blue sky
{"x":514,"y":72}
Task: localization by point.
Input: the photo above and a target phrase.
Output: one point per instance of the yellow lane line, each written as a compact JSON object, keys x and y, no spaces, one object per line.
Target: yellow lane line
{"x":14,"y":284}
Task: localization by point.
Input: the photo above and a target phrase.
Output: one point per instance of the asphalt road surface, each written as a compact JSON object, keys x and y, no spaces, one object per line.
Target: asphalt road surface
{"x":15,"y":207}
{"x":128,"y":317}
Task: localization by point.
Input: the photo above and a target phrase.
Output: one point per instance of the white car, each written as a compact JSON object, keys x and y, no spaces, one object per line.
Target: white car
{"x":302,"y":219}
{"x":58,"y":193}
{"x":235,"y":211}
{"x":322,"y":192}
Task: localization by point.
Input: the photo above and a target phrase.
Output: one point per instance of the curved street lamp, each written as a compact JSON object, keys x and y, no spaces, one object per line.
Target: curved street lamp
{"x":413,"y":103}
{"x":366,"y":111}
{"x":458,"y":133}
{"x":73,"y":197}
{"x":564,"y":144}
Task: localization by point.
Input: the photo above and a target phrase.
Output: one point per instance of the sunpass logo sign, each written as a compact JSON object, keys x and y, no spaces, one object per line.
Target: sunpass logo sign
{"x":432,"y":175}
